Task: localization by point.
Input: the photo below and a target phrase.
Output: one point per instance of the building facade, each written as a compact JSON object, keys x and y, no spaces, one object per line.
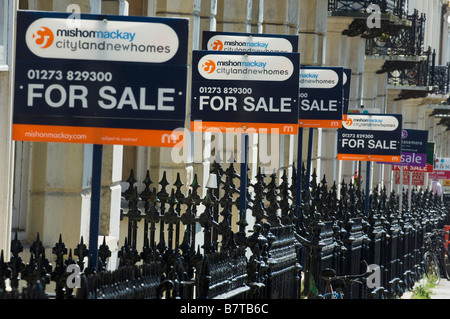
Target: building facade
{"x":395,"y":55}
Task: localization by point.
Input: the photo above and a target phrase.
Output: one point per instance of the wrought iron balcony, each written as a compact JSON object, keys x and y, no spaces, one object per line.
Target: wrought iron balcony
{"x":440,"y":78}
{"x":393,"y":16}
{"x":357,"y":7}
{"x":420,"y":79}
{"x":404,"y":41}
{"x":404,"y":73}
{"x":416,"y":79}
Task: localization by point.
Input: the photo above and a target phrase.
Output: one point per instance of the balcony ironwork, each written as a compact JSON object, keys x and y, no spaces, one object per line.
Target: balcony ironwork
{"x":403,"y":41}
{"x":415,"y":78}
{"x":441,"y":78}
{"x":355,"y":8}
{"x":393,"y":16}
{"x":410,"y":73}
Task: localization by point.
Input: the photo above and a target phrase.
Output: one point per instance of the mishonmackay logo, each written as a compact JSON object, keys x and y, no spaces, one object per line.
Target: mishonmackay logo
{"x":115,"y":34}
{"x":103,"y":40}
{"x":217,"y":45}
{"x":245,"y":67}
{"x":209,"y":66}
{"x":43,"y":37}
{"x":78,"y":39}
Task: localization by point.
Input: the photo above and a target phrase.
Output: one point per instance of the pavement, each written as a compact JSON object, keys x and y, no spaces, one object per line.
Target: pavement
{"x":441,"y":291}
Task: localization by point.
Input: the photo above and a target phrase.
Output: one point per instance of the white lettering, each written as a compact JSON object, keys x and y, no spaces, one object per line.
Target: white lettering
{"x":32,"y":94}
{"x":142,"y":105}
{"x":127,"y":99}
{"x":82,"y":96}
{"x":285,"y":103}
{"x":108,"y":97}
{"x":352,"y":143}
{"x":163,"y":98}
{"x":307,"y":105}
{"x":48,"y":95}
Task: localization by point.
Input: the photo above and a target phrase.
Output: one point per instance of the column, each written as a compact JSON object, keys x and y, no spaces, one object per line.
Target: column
{"x":60,"y":173}
{"x":6,"y":161}
{"x":281,"y":17}
{"x":59,"y":194}
{"x":312,"y":32}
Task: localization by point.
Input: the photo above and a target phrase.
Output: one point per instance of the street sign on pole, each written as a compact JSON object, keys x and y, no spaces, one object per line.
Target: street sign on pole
{"x":370,"y":137}
{"x":321,"y":97}
{"x":99,"y":80}
{"x":414,"y":148}
{"x":236,"y":92}
{"x":106,"y":80}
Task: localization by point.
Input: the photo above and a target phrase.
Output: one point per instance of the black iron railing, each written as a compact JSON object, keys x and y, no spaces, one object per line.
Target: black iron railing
{"x":327,"y":231}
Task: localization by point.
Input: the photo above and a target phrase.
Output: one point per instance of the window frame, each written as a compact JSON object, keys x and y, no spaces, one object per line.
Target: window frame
{"x":6,"y":27}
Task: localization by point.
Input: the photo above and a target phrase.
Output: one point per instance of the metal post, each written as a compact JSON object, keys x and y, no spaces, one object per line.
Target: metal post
{"x":368,"y":167}
{"x":400,"y":192}
{"x":96,"y":186}
{"x":309,"y":164}
{"x":298,"y":199}
{"x":243,"y":186}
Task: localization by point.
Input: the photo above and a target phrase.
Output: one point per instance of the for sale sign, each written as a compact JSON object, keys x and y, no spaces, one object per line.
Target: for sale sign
{"x":255,"y":92}
{"x":370,"y":137}
{"x":321,"y":97}
{"x":405,"y":168}
{"x":100,"y":80}
{"x":414,"y":148}
{"x":415,"y":178}
{"x":442,"y":164}
{"x":441,"y":168}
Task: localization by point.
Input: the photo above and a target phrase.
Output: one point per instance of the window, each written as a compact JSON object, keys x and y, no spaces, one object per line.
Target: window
{"x":4,"y":14}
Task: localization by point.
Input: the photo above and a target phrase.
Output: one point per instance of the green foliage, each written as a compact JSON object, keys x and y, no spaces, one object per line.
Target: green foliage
{"x":422,"y":291}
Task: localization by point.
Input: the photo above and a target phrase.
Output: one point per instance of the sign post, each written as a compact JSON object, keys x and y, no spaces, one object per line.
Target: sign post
{"x":248,"y":43}
{"x":107,"y":81}
{"x":96,"y":187}
{"x":370,"y":137}
{"x":414,"y":154}
{"x":321,"y":103}
{"x":234,"y":92}
{"x":103,"y":80}
{"x":441,"y":168}
{"x":321,"y":97}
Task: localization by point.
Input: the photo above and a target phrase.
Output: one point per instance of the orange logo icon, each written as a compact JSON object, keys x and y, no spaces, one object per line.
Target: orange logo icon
{"x":43,"y":37}
{"x":349,"y":122}
{"x":217,"y":45}
{"x":209,"y":66}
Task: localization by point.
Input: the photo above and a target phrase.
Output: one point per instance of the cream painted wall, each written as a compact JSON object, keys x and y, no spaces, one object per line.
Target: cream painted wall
{"x":6,"y":144}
